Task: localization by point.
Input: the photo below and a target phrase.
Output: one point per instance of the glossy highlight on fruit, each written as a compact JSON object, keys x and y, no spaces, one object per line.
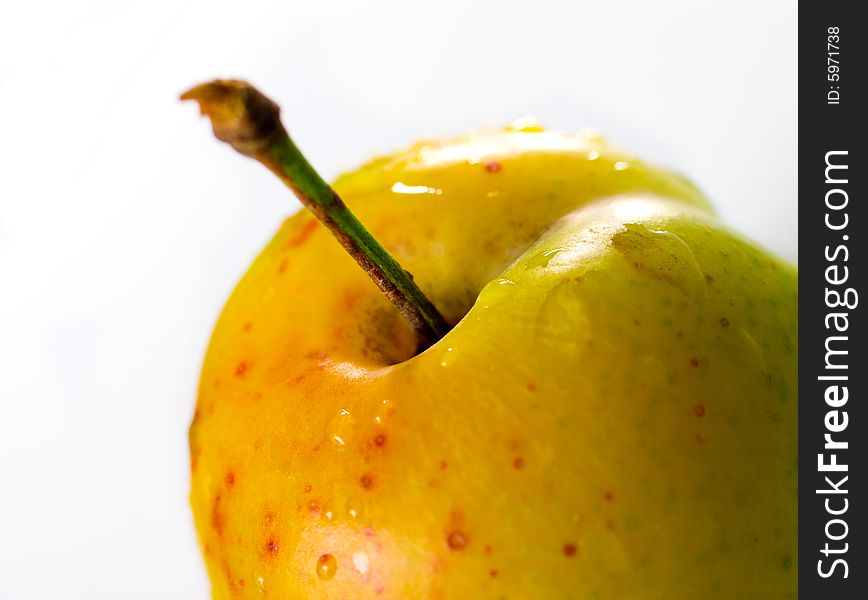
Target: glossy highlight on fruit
{"x":612,"y":416}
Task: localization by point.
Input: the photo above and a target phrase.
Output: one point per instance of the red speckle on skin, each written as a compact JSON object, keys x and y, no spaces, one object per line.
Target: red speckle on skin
{"x":218,"y":523}
{"x":302,"y":236}
{"x":308,"y":488}
{"x":492,"y":166}
{"x":443,"y":465}
{"x":608,"y":495}
{"x":366,"y":481}
{"x":610,"y":525}
{"x":350,"y":297}
{"x":699,"y":410}
{"x":570,"y":550}
{"x":272,"y":547}
{"x":248,"y":326}
{"x":694,"y":362}
{"x":230,"y":479}
{"x":313,"y":507}
{"x":518,"y":464}
{"x":229,"y":577}
{"x":486,"y":549}
{"x":282,"y":266}
{"x":241,"y":369}
{"x":436,"y":565}
{"x":493,"y":573}
{"x":456,"y":540}
{"x":700,"y":439}
{"x":268,"y":517}
{"x":531,"y":387}
{"x":724,"y":322}
{"x":679,"y":335}
{"x":241,"y":583}
{"x":380,"y":441}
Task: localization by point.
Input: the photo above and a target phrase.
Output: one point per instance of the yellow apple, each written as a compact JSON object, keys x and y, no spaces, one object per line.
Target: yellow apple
{"x":612,"y":417}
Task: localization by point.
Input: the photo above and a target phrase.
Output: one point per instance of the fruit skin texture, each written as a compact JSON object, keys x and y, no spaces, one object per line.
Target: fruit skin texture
{"x":613,"y":416}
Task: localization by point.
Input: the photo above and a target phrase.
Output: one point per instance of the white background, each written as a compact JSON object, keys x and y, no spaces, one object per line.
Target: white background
{"x":123,"y":225}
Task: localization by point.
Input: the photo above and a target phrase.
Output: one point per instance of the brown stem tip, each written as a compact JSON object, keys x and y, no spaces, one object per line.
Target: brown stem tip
{"x":240,"y":115}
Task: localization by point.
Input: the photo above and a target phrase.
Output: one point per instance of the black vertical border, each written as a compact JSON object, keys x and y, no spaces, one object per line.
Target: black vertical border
{"x":825,"y":127}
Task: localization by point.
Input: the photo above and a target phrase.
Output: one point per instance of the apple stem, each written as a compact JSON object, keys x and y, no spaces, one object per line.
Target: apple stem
{"x":250,"y":122}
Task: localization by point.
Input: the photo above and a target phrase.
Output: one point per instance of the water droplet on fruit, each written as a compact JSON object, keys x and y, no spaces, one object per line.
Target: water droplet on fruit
{"x":447,"y":357}
{"x":402,"y":188}
{"x":326,"y":567}
{"x":758,"y":357}
{"x":456,"y":540}
{"x":260,"y":585}
{"x":663,"y":256}
{"x":593,"y":155}
{"x":360,"y":562}
{"x":341,"y":428}
{"x":591,"y":134}
{"x":525,"y":125}
{"x":542,"y":259}
{"x":621,"y":165}
{"x":496,"y":292}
